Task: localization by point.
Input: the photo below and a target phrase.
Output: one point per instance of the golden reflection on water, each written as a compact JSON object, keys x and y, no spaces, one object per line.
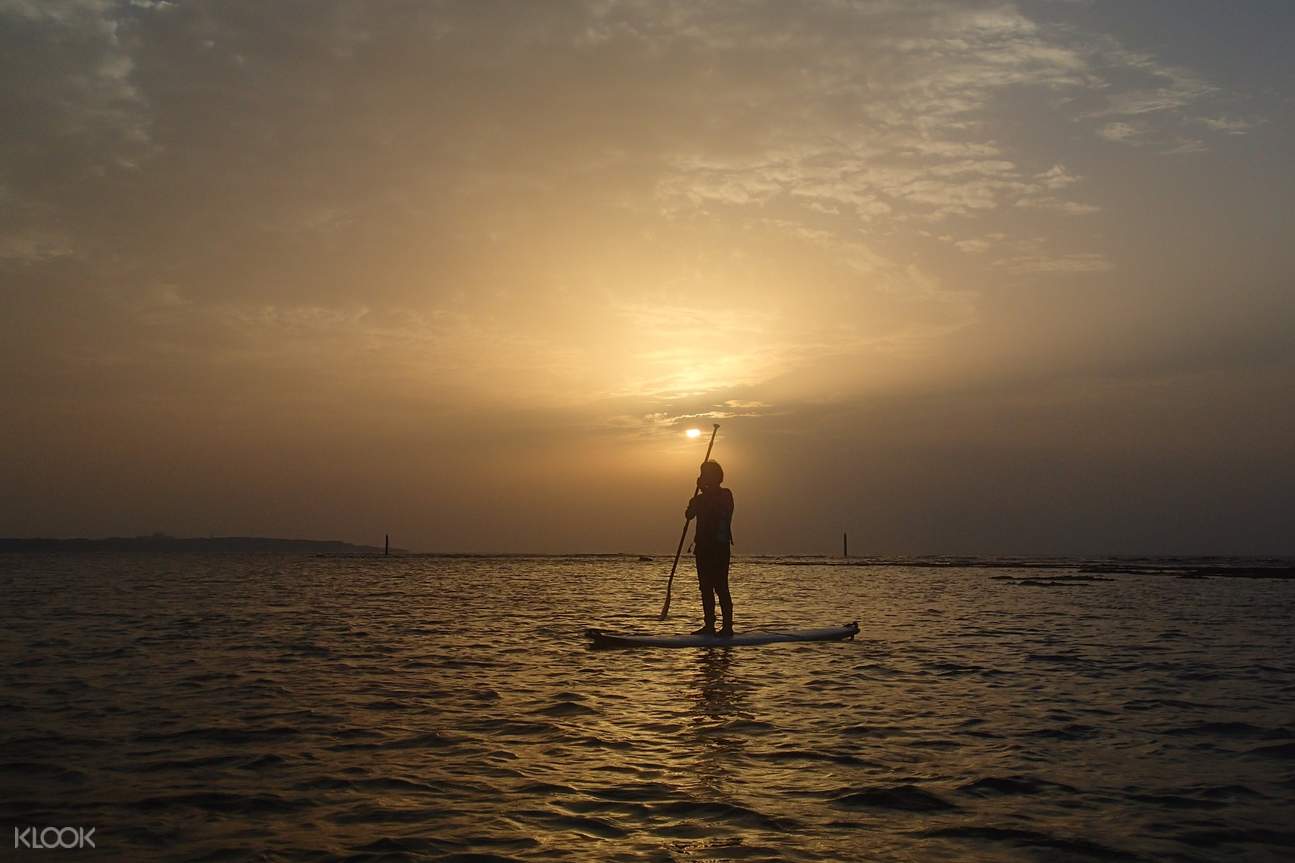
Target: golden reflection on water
{"x":716,"y":697}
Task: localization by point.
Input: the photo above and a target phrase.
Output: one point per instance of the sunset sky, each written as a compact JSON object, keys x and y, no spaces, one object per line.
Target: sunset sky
{"x":963,"y":277}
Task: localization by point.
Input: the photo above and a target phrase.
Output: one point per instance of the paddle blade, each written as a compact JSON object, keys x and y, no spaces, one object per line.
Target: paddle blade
{"x":665,"y":609}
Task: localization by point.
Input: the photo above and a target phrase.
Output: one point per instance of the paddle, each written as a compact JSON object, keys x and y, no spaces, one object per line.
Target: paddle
{"x":665,"y":609}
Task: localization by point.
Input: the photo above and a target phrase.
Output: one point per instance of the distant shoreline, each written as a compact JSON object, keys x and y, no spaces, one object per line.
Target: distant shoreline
{"x":211,"y":544}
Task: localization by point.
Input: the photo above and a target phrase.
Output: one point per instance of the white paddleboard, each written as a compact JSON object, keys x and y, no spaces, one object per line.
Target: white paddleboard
{"x":740,"y":639}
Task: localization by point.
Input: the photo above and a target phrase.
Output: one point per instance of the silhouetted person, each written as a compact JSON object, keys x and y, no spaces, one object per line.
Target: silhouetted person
{"x":713,"y":509}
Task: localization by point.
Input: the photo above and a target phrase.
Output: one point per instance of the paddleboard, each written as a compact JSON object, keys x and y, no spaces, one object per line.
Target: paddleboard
{"x":740,"y":639}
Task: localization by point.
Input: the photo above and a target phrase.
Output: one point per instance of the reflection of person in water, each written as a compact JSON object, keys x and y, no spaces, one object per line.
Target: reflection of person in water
{"x":712,"y":506}
{"x":719,"y":696}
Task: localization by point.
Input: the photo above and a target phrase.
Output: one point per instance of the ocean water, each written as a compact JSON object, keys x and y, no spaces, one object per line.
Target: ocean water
{"x":294,"y":708}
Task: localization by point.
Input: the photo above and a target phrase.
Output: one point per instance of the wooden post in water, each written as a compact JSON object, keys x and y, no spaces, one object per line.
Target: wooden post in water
{"x":845,"y":544}
{"x":386,"y":545}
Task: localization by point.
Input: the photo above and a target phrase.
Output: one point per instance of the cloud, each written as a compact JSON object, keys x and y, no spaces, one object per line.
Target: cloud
{"x":1083,"y":262}
{"x":1229,"y":125}
{"x":1042,"y":193}
{"x":665,"y":422}
{"x":913,"y":144}
{"x":1121,"y":132}
{"x":32,"y":246}
{"x":1146,"y":101}
{"x":69,"y":76}
{"x":1184,"y":146}
{"x":1056,"y":178}
{"x":975,"y":247}
{"x":1140,"y":84}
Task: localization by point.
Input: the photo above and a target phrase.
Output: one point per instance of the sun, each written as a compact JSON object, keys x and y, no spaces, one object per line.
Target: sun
{"x":693,"y":433}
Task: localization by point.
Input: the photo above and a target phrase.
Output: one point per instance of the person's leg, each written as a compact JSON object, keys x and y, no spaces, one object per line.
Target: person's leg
{"x":721,"y":587}
{"x":705,"y":582}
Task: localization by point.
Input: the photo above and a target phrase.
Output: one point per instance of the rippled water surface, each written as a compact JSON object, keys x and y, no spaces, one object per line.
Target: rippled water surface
{"x":282,"y":708}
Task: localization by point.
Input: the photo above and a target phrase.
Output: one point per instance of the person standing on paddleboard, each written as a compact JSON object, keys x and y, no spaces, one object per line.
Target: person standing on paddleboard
{"x":712,"y":506}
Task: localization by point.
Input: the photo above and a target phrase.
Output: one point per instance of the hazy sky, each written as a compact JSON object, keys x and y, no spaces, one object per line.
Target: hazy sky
{"x":970,"y":277}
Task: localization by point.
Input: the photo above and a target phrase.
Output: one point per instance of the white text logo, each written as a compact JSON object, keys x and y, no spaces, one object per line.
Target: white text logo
{"x":53,"y":837}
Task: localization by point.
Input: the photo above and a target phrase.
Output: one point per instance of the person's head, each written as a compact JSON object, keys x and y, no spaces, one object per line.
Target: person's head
{"x":711,"y":475}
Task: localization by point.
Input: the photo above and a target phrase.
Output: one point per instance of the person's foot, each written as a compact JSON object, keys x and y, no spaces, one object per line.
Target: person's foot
{"x":726,"y":631}
{"x":707,"y":629}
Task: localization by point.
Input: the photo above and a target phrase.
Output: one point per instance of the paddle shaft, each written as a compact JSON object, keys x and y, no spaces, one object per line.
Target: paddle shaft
{"x":665,"y":609}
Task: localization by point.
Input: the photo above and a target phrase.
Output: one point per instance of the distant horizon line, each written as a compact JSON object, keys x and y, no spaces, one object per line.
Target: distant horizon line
{"x":344,"y":547}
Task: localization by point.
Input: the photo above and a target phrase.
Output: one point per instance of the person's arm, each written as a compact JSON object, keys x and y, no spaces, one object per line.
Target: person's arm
{"x":698,"y":503}
{"x":728,"y":506}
